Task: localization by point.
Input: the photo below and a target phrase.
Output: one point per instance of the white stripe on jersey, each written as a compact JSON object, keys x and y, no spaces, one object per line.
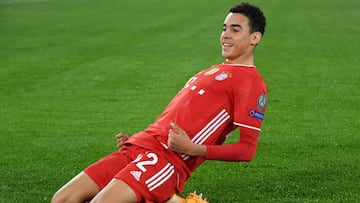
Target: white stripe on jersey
{"x":209,"y":129}
{"x":247,"y":126}
{"x":160,"y":177}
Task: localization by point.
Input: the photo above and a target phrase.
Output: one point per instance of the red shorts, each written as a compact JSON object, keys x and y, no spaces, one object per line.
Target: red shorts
{"x":152,"y":177}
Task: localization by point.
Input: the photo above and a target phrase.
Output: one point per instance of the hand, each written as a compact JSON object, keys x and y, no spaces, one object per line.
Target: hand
{"x":178,"y":140}
{"x":120,"y":140}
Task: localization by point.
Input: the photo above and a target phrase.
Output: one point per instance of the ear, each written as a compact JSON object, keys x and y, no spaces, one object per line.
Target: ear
{"x":255,"y":38}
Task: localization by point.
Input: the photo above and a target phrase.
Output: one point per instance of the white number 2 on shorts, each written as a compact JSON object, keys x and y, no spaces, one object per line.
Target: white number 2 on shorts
{"x":153,"y":160}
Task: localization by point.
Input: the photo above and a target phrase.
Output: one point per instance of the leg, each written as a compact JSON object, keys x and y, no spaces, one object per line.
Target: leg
{"x":93,"y":179}
{"x":175,"y":199}
{"x":116,"y":191}
{"x":80,"y":189}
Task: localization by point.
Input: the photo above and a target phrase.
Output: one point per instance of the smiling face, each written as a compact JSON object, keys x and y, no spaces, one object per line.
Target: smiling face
{"x":237,"y":42}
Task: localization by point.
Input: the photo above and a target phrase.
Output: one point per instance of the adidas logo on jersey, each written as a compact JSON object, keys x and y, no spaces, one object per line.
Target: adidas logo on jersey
{"x":136,"y":174}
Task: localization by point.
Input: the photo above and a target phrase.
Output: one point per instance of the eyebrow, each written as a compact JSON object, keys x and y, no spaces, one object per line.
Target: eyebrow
{"x":234,"y":25}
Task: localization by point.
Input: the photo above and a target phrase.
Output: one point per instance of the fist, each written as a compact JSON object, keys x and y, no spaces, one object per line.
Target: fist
{"x":120,"y":140}
{"x":178,"y":139}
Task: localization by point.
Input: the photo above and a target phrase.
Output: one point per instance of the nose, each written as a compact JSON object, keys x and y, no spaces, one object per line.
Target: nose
{"x":225,"y":34}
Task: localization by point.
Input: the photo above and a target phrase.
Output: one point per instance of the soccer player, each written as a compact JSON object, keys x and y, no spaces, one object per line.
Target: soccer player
{"x":154,"y":164}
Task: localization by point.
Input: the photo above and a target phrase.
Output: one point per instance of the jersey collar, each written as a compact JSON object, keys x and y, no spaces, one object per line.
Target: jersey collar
{"x":242,"y":65}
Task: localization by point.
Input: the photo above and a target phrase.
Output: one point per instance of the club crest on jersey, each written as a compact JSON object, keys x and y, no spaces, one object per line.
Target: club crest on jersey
{"x":222,"y":76}
{"x":261,"y":102}
{"x":212,"y":71}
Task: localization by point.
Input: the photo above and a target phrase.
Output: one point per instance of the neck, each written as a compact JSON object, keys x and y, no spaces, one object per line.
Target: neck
{"x":249,"y":60}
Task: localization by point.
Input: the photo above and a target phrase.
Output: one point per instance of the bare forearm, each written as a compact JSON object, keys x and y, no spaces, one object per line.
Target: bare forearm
{"x":196,"y":150}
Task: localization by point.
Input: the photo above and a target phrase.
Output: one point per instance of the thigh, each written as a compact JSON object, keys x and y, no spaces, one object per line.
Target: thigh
{"x":102,"y":171}
{"x":80,"y":189}
{"x":151,"y":176}
{"x":116,"y":191}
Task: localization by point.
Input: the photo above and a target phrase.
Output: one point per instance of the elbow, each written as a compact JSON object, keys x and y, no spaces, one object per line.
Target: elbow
{"x":246,"y":158}
{"x":249,"y":157}
{"x":252,"y":152}
{"x":249,"y":153}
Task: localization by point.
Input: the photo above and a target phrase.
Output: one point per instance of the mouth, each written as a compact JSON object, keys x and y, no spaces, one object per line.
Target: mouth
{"x":226,"y":46}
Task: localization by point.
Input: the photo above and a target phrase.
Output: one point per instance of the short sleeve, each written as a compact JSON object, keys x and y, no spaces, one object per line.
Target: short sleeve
{"x":250,"y":102}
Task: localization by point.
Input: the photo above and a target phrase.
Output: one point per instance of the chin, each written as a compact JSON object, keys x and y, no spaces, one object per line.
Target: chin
{"x":225,"y":55}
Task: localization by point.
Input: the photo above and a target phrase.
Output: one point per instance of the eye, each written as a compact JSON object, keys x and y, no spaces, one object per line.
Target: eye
{"x":224,"y":29}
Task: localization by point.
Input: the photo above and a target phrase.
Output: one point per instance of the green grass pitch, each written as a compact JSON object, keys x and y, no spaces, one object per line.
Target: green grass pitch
{"x":75,"y":73}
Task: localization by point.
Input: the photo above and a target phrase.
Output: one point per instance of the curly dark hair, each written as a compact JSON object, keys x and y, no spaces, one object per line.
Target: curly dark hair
{"x":257,"y":20}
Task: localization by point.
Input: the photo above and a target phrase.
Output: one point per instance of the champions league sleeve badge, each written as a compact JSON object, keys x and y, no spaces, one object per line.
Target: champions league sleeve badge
{"x":256,"y":114}
{"x":261,"y":102}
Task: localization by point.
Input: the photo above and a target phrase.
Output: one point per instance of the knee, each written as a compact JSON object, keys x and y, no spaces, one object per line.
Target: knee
{"x":79,"y":189}
{"x":62,"y":197}
{"x":57,"y":198}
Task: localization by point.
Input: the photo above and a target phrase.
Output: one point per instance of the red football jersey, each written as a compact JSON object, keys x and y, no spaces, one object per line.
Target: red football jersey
{"x":212,"y":104}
